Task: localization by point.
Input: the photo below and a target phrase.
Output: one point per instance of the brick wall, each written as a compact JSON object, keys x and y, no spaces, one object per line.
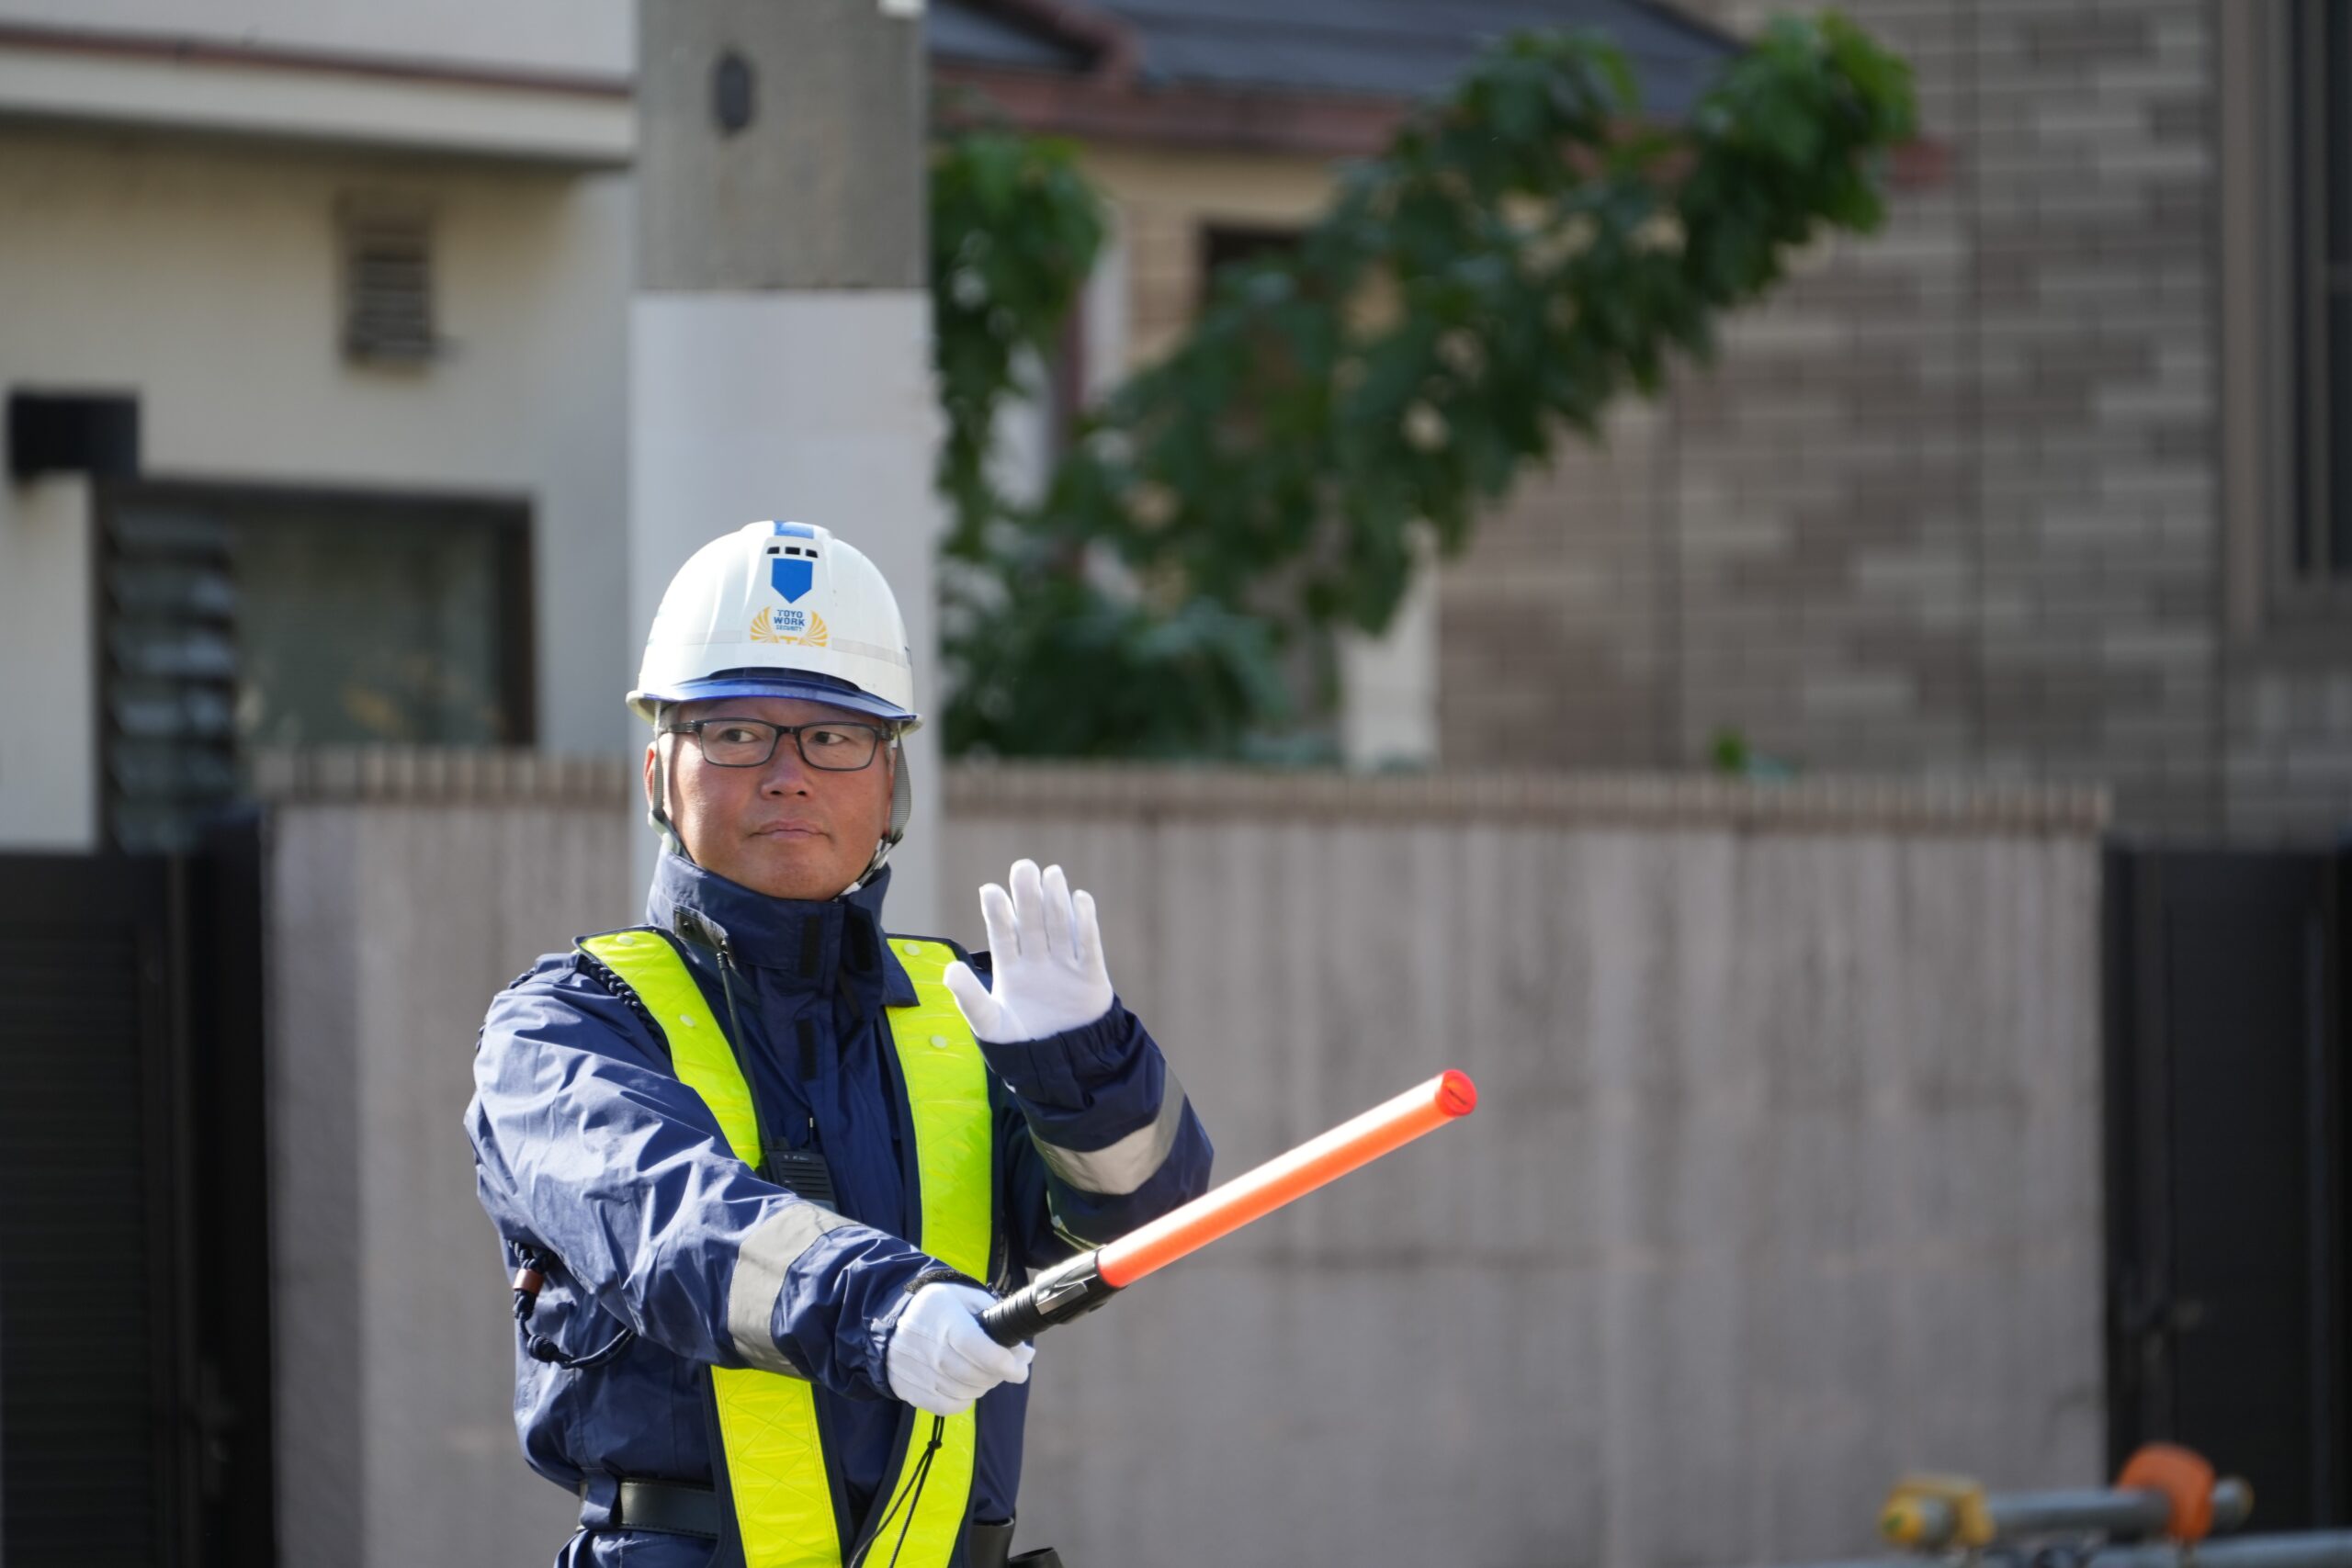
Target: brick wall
{"x":1949,"y":501}
{"x":2289,"y":743}
{"x":1556,"y":629}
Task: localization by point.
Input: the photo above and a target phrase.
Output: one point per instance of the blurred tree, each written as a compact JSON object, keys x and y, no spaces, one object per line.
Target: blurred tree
{"x":1528,"y":249}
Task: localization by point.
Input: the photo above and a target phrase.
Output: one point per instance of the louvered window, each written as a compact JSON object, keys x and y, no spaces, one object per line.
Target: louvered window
{"x":238,"y":619}
{"x":387,"y":282}
{"x":171,"y":674}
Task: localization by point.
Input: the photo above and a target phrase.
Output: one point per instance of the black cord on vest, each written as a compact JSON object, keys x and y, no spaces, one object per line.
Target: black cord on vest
{"x":910,"y":1496}
{"x":529,"y":1277}
{"x":727,"y":989}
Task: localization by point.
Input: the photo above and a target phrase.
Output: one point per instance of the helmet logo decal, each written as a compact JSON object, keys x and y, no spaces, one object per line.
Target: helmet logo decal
{"x":792,"y":577}
{"x":803,"y":627}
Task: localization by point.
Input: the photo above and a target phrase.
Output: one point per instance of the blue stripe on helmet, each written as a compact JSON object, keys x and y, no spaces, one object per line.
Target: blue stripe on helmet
{"x":809,"y":687}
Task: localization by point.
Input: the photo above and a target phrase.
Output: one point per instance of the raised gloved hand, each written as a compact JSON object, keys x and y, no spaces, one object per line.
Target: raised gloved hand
{"x":941,"y":1359}
{"x":1048,"y":956}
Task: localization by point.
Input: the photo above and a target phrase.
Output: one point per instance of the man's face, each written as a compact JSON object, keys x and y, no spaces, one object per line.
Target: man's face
{"x":783,"y":828}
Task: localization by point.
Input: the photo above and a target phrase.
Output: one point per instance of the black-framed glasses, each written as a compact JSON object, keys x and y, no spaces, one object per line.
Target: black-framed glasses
{"x":834,"y":746}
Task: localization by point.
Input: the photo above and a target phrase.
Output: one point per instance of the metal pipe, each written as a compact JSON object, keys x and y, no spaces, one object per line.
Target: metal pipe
{"x":2308,"y":1549}
{"x":1933,"y":1523}
{"x":2083,"y":1511}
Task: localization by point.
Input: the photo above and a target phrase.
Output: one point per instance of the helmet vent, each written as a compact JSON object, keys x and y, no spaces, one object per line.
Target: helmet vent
{"x":793,"y":550}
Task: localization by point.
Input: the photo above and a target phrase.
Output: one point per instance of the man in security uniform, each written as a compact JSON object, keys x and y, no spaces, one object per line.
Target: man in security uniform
{"x":756,"y":1164}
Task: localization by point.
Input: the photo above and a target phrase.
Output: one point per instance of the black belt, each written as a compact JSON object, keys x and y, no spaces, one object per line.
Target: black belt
{"x":671,"y":1507}
{"x":986,"y":1545}
{"x":676,"y":1507}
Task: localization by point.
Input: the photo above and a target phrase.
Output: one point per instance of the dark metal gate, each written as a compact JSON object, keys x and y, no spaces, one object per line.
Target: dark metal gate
{"x":2226,"y":1174}
{"x":134,"y":1336}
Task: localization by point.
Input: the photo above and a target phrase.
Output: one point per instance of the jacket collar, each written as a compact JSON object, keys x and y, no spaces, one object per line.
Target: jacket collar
{"x":812,"y":944}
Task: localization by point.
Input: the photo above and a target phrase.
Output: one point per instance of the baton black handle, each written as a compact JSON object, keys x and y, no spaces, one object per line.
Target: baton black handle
{"x":1066,"y":1290}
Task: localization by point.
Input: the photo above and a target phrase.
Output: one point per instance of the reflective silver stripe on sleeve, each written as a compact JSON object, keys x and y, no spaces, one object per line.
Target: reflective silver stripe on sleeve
{"x":766,"y":1253}
{"x":1127,"y":1164}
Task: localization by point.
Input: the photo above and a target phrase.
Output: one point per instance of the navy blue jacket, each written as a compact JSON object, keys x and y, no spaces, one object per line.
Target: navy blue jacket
{"x":588,"y":1149}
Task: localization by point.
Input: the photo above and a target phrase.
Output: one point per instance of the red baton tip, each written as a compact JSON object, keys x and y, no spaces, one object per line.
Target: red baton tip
{"x":1456,"y":1094}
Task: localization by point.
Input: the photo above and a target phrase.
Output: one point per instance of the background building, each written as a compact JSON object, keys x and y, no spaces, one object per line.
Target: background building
{"x":2035,"y":485}
{"x":2039,"y":483}
{"x":358,"y":280}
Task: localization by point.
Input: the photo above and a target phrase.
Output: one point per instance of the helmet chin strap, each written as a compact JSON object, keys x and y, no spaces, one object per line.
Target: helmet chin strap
{"x":657,"y":811}
{"x":902,"y":799}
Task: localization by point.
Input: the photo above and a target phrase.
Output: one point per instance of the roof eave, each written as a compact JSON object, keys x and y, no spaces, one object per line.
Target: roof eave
{"x":1091,"y":107}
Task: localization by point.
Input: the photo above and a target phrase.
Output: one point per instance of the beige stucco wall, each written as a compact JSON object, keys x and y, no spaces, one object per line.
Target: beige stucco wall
{"x":1162,"y":199}
{"x":578,"y":36}
{"x":47,"y":696}
{"x":202,"y":277}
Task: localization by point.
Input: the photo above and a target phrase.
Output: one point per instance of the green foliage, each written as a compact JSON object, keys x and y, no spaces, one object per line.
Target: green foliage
{"x":1729,"y":751}
{"x":1014,"y":229}
{"x":1527,"y":251}
{"x":1734,"y":757}
{"x":1123,"y":681}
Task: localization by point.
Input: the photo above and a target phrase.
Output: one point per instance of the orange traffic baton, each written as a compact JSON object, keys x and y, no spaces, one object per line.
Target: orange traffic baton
{"x":1086,"y":1282}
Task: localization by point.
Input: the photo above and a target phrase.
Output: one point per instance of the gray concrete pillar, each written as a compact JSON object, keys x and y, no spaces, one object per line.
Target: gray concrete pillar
{"x":780,"y":337}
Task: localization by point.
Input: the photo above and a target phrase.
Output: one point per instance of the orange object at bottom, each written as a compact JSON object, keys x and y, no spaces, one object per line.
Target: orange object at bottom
{"x":2184,"y":1478}
{"x":1260,"y":1192}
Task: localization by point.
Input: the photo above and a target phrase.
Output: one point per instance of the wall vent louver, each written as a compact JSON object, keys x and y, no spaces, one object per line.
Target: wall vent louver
{"x":388,"y":283}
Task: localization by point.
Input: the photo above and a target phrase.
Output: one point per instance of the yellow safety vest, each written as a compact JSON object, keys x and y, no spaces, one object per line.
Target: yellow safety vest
{"x":774,"y":1451}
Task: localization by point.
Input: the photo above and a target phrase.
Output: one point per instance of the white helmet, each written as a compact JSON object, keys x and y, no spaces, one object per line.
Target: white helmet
{"x":779,"y":610}
{"x":782,"y":610}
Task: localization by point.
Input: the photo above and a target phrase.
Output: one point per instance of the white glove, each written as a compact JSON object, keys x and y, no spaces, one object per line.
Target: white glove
{"x":941,"y":1359}
{"x":1048,"y":956}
